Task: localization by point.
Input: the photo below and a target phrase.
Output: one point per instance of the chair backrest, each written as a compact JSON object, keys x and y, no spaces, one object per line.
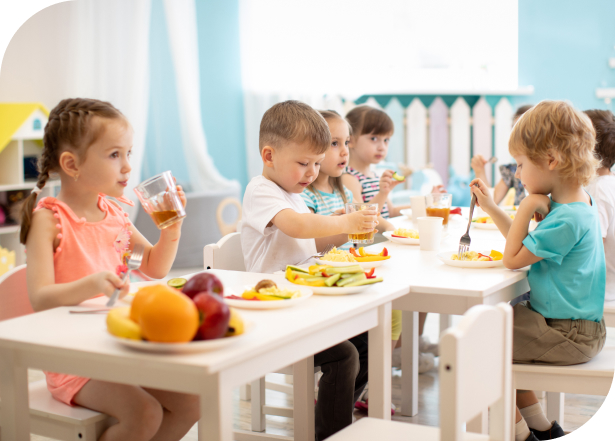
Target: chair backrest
{"x":14,"y":300}
{"x":476,"y":372}
{"x":226,"y":254}
{"x":222,"y":225}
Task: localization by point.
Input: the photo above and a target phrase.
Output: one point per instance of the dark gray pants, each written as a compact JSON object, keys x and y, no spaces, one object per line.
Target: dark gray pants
{"x":344,"y":375}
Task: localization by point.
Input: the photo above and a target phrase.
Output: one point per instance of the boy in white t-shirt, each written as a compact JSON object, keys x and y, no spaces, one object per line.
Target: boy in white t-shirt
{"x":602,"y":188}
{"x":278,"y":229}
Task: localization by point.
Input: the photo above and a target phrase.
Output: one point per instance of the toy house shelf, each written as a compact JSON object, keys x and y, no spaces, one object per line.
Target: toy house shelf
{"x":21,"y":135}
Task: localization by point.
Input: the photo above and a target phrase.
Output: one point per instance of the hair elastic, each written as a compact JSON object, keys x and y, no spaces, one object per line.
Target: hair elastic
{"x":37,"y":190}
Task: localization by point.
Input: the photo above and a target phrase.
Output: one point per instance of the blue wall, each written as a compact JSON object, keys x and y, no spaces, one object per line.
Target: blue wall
{"x":564,"y":46}
{"x":221,"y":94}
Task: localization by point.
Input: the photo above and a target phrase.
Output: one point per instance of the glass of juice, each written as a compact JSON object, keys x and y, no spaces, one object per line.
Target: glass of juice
{"x":362,"y":238}
{"x":439,"y":204}
{"x":159,"y":198}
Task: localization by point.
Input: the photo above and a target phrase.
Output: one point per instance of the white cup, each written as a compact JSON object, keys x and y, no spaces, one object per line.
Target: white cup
{"x":430,"y":232}
{"x":417,"y":203}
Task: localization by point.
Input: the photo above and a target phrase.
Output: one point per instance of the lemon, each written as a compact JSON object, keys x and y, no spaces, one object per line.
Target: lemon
{"x":177,"y":283}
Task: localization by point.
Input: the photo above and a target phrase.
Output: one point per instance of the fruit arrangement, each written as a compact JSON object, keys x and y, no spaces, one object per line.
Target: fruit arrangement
{"x":331,"y":276}
{"x":266,"y":290}
{"x":405,"y":233}
{"x":478,"y":257}
{"x":363,"y":256}
{"x":164,"y":314}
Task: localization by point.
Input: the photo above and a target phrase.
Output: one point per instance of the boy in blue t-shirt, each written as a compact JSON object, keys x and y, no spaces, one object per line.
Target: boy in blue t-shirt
{"x":562,"y":322}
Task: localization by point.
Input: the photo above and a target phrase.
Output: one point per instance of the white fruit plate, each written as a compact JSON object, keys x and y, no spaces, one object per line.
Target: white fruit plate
{"x":183,"y":348}
{"x":364,"y":265}
{"x":445,"y":257}
{"x":401,"y":240}
{"x":268,"y":304}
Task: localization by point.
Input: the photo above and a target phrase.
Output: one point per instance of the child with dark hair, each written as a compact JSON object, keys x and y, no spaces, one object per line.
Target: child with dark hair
{"x":602,"y":188}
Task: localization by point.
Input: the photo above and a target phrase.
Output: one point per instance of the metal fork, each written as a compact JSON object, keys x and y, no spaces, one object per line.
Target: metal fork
{"x":328,"y":248}
{"x":464,"y":242}
{"x":133,"y":263}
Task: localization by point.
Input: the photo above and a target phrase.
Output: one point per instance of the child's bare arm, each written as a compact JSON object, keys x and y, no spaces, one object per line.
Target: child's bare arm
{"x":338,"y":240}
{"x":44,"y":293}
{"x":484,"y":200}
{"x":311,"y":226}
{"x":158,"y":259}
{"x":516,"y":255}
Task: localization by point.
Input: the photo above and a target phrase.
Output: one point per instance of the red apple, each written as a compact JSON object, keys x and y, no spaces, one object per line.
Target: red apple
{"x":203,"y":282}
{"x":214,"y":313}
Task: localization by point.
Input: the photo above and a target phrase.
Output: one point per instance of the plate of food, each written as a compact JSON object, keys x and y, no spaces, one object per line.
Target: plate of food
{"x":266,"y":294}
{"x":472,"y":259}
{"x":362,"y":258}
{"x":162,"y":319}
{"x":486,"y":222}
{"x":403,"y":236}
{"x":332,"y":280}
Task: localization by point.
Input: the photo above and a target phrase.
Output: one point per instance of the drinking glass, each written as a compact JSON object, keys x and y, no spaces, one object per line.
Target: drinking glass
{"x":159,"y":198}
{"x":363,"y":238}
{"x":439,"y":204}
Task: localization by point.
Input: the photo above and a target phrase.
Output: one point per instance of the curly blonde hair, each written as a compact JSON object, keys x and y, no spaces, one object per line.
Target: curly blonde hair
{"x":556,"y":129}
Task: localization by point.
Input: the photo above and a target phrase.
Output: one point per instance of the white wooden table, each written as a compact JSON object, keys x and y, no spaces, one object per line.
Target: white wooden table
{"x":436,"y":287}
{"x":78,"y":344}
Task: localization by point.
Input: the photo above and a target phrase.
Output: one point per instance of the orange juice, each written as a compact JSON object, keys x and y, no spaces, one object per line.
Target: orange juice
{"x":162,"y":218}
{"x":439,"y":212}
{"x":362,"y":237}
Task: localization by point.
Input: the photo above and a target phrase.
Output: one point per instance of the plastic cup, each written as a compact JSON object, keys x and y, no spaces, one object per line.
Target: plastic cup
{"x":362,"y":238}
{"x":417,"y":204}
{"x":439,"y":204}
{"x":430,"y":232}
{"x":160,"y":200}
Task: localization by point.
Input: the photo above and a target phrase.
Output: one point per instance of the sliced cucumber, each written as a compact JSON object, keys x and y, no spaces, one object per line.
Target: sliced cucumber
{"x":297,"y":269}
{"x":331,"y":280}
{"x":365,"y":282}
{"x":344,"y":269}
{"x":351,"y":280}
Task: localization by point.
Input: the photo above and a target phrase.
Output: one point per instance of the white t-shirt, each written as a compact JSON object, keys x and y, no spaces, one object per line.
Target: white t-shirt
{"x":602,"y":189}
{"x":267,"y":249}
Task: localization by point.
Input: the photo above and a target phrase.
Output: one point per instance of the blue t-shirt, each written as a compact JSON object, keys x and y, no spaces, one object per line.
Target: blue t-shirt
{"x":569,"y":282}
{"x":327,"y":203}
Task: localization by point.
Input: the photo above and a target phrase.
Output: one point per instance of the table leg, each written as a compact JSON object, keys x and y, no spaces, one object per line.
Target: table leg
{"x":15,"y":410}
{"x":257,"y":417}
{"x":445,"y":322}
{"x":409,"y":363}
{"x":555,"y":407}
{"x":379,"y":365}
{"x":216,"y":423}
{"x":303,"y":399}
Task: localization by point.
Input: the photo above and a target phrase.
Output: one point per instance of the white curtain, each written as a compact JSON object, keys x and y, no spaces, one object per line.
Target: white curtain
{"x":110,"y":61}
{"x":183,"y":40}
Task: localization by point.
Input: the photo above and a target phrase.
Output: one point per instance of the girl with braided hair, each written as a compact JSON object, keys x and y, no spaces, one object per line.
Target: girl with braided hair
{"x":75,"y":245}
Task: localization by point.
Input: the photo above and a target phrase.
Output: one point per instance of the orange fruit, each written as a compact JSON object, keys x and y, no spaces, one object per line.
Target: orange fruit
{"x":139,"y":300}
{"x":167,"y":316}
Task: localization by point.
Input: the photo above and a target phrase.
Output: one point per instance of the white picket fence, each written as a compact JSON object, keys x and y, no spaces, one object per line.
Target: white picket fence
{"x":436,"y":135}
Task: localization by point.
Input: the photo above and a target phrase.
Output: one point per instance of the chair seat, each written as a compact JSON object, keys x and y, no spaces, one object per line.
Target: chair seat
{"x":42,"y":404}
{"x":370,"y":429}
{"x":592,"y":378}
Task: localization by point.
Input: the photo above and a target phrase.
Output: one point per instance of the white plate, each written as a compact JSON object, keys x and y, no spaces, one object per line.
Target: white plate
{"x":340,"y":291}
{"x":401,"y":240}
{"x":482,"y":226}
{"x":364,"y":265}
{"x":183,"y":348}
{"x":272,"y":304}
{"x":445,"y":257}
{"x":406,"y":212}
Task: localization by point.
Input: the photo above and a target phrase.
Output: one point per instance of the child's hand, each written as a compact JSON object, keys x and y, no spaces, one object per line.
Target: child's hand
{"x":539,"y":204}
{"x":483,"y":195}
{"x":438,"y":189}
{"x":387,"y":183}
{"x":106,"y":282}
{"x":182,"y":195}
{"x":362,"y":221}
{"x":478,"y":163}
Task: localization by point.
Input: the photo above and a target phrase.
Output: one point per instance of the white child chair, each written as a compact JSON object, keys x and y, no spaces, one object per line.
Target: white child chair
{"x":48,"y":417}
{"x":475,"y":373}
{"x":228,"y":255}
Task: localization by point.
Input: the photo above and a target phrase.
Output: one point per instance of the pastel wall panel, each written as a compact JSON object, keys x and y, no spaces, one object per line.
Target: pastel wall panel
{"x":396,"y":145}
{"x":416,"y":135}
{"x":481,"y":119}
{"x":460,"y":137}
{"x":438,"y":137}
{"x":503,"y":122}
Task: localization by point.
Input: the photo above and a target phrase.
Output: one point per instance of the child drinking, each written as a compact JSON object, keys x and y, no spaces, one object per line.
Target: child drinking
{"x":75,"y":246}
{"x":278,"y":229}
{"x":562,"y":323}
{"x":602,"y":189}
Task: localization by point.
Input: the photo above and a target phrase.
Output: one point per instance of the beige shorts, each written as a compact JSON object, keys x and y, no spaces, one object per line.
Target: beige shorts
{"x":562,"y":342}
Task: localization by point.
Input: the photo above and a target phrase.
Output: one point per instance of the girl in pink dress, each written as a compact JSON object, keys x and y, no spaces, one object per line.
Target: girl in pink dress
{"x":76,"y":243}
